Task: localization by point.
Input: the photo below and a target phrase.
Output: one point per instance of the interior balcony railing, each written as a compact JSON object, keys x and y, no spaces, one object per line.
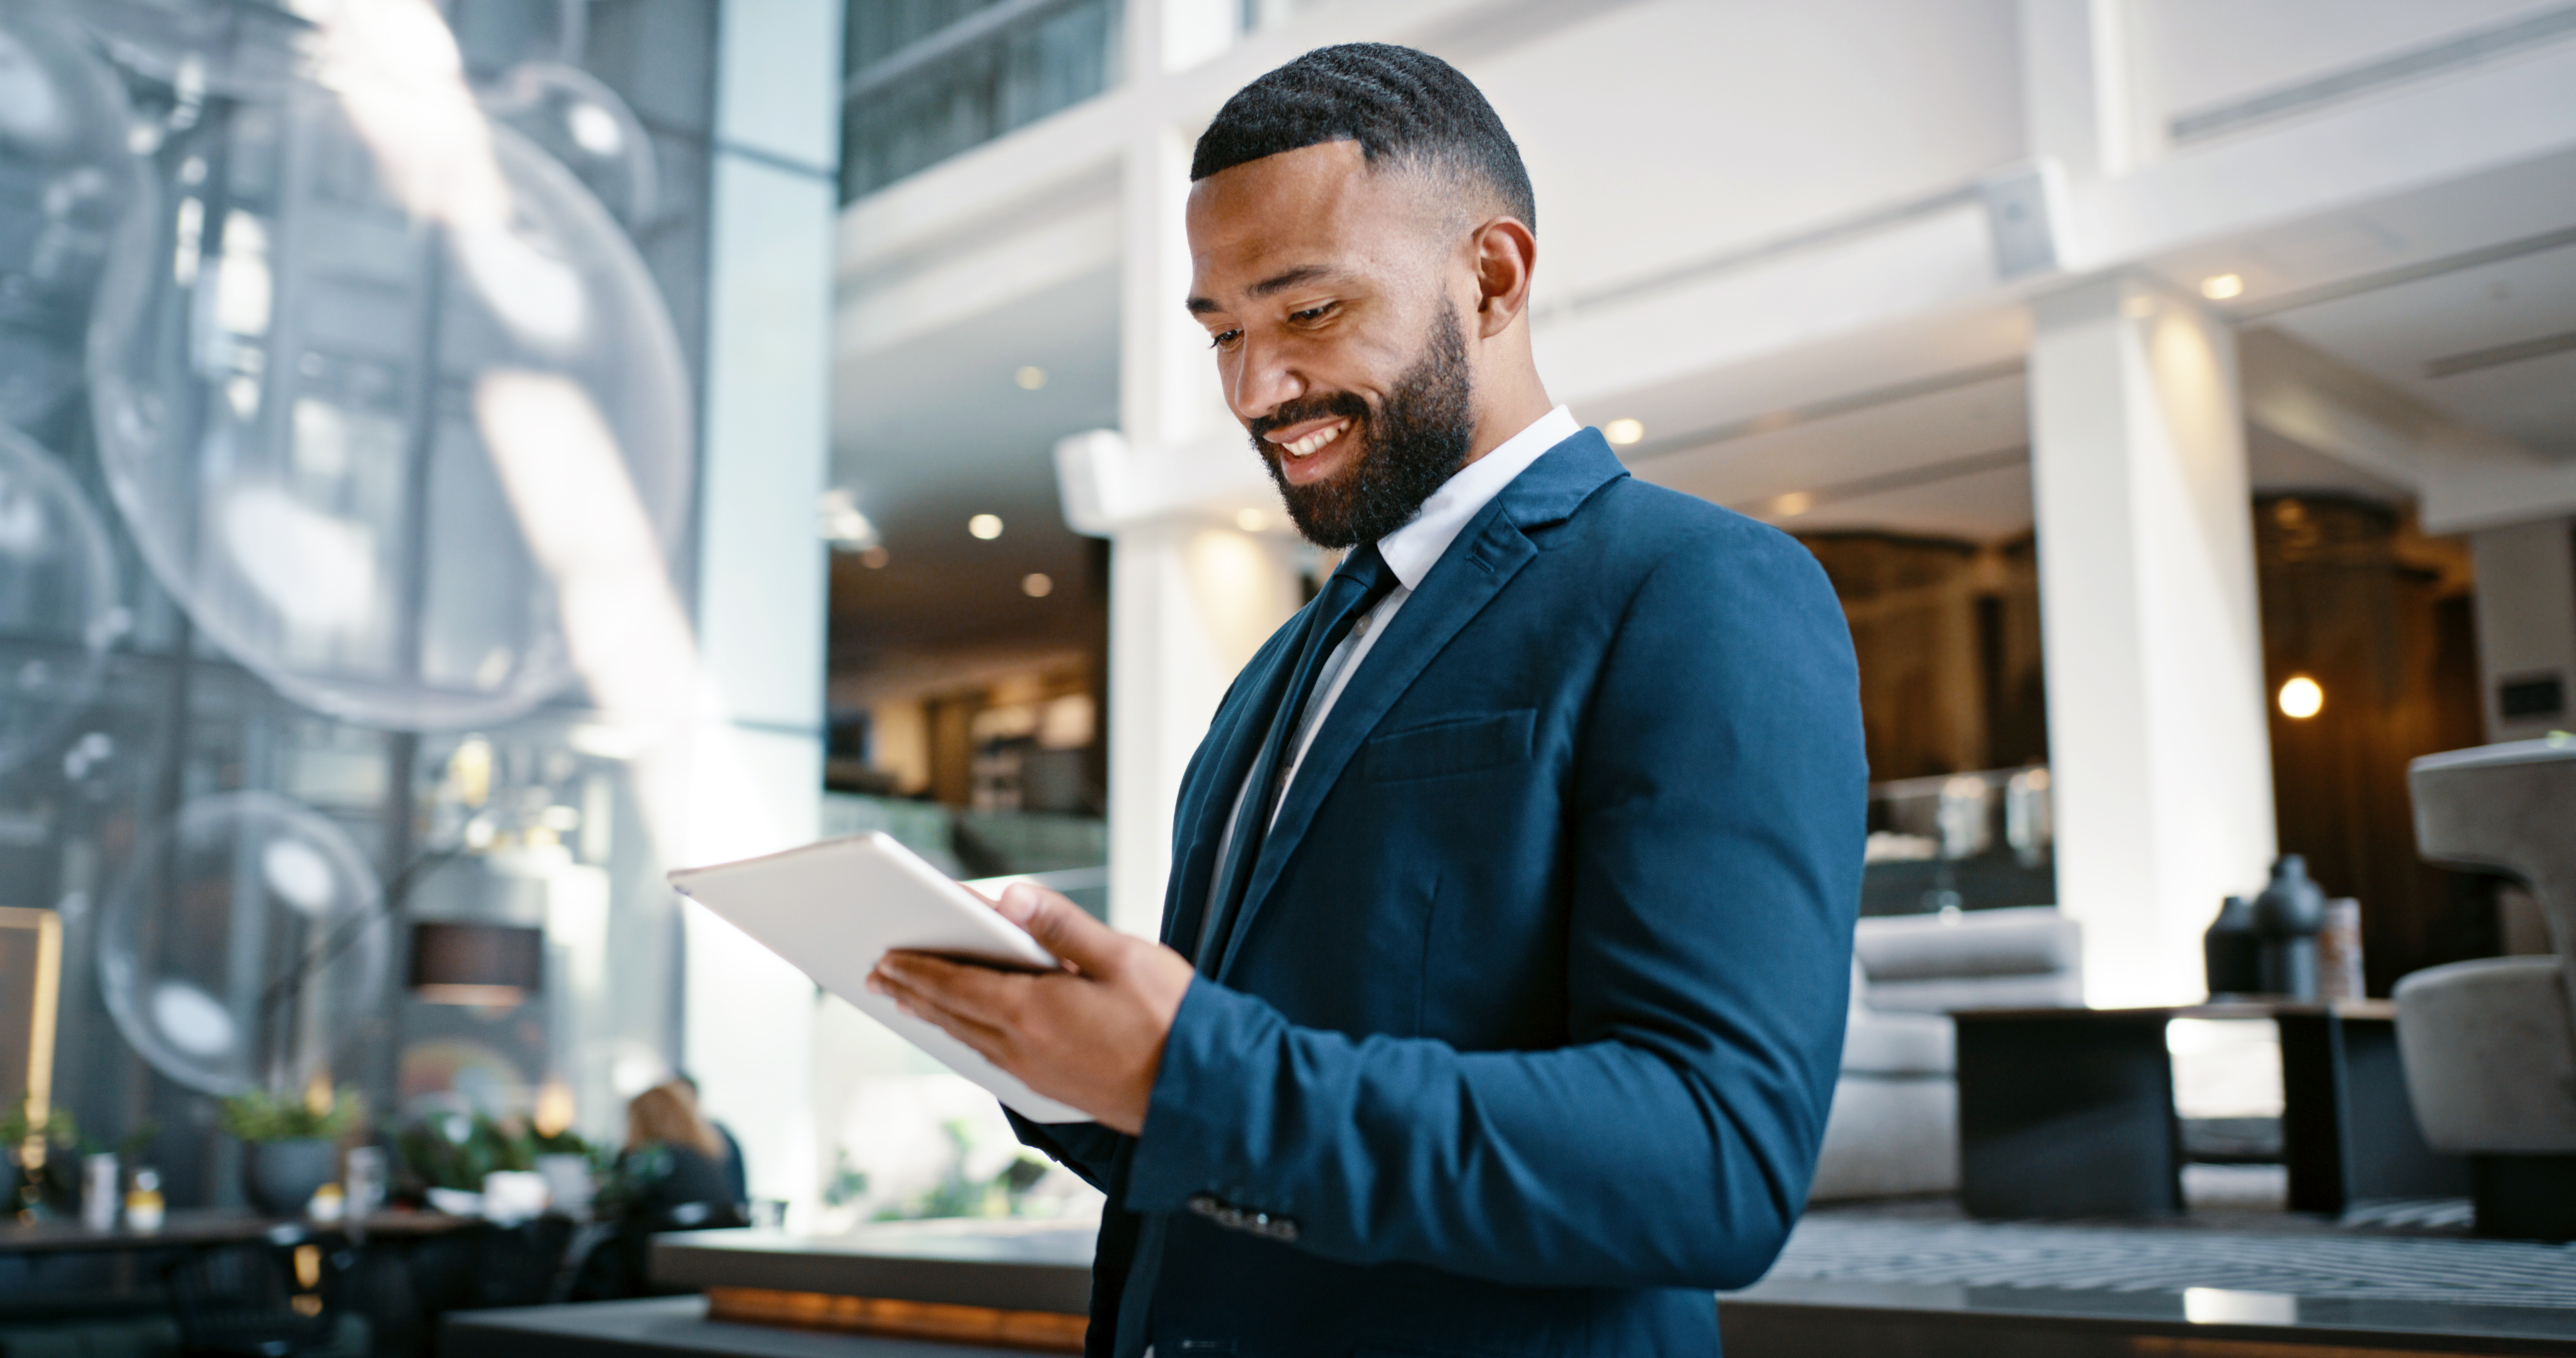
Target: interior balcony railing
{"x":924,"y":80}
{"x":929,"y":79}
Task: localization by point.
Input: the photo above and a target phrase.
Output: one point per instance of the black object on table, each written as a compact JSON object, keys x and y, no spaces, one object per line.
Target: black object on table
{"x":2070,"y":1112}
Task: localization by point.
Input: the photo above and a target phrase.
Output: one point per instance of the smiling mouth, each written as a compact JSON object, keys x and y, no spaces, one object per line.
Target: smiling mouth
{"x":1306,"y":447}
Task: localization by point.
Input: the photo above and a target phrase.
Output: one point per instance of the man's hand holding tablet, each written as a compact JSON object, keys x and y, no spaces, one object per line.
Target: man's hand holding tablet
{"x":1090,"y":1035}
{"x":995,"y":993}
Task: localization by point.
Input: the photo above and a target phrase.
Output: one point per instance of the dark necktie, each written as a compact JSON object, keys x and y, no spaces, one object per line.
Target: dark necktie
{"x":1354,"y":589}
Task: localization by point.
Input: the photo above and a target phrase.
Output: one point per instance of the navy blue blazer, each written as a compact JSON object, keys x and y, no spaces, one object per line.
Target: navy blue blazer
{"x":1525,"y":1036}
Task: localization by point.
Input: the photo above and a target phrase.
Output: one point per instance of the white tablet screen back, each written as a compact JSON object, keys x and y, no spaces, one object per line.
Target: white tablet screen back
{"x":832,"y":909}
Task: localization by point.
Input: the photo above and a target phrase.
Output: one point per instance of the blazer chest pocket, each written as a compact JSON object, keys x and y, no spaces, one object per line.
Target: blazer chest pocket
{"x":1461,"y":745}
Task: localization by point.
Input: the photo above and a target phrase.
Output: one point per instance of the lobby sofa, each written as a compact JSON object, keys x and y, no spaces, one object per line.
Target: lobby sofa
{"x":1894,"y":1129}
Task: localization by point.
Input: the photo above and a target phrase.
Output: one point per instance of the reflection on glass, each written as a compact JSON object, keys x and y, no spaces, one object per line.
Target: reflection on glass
{"x":243,"y":945}
{"x":65,"y":180}
{"x":58,"y":600}
{"x":289,"y":397}
{"x":571,"y":116}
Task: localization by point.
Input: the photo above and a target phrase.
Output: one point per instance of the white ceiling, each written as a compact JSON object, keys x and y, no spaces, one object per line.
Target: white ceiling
{"x":941,"y":420}
{"x":2399,"y":333}
{"x":930,"y":433}
{"x":1923,"y":463}
{"x":935,"y":430}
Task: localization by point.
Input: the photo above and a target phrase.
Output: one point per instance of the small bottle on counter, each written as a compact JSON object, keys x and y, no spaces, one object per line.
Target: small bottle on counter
{"x":98,"y":1191}
{"x":143,"y":1210}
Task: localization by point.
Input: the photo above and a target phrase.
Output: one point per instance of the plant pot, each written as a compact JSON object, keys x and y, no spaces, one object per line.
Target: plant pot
{"x":281,"y":1176}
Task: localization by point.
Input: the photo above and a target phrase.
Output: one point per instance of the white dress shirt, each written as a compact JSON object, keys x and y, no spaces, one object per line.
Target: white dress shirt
{"x":1410,"y":552}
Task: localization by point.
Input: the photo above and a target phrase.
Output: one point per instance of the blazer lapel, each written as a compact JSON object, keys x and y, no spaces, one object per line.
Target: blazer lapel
{"x":1485,"y":557}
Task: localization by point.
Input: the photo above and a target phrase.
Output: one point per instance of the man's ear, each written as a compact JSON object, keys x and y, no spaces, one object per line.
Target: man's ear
{"x":1505,"y":255}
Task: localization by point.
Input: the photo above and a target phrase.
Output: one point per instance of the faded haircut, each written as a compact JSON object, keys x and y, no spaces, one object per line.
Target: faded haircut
{"x":1405,"y":108}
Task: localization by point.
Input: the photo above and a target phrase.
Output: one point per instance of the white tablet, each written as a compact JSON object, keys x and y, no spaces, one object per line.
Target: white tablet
{"x":832,"y":909}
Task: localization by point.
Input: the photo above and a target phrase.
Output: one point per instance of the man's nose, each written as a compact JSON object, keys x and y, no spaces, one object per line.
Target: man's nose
{"x":1263,"y":381}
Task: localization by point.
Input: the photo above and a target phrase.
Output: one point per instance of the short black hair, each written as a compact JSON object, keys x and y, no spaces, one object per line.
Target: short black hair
{"x":1402,"y":106}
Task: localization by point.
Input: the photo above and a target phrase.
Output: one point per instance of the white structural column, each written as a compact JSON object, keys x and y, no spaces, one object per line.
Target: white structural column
{"x":760,"y":597}
{"x":2526,"y":614}
{"x":1191,"y":593}
{"x":2160,"y":760}
{"x":1189,"y":602}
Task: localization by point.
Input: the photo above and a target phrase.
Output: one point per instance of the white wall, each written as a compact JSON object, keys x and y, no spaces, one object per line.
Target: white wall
{"x":1669,"y":131}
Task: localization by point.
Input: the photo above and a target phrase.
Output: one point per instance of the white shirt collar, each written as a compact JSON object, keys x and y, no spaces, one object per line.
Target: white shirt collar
{"x":1411,"y":551}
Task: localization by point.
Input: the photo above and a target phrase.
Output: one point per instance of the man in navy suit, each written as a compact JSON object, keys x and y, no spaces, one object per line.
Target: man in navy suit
{"x":1504,"y":959}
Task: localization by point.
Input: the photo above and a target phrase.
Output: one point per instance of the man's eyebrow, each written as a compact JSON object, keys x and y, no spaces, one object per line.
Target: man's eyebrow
{"x":1276,"y":283}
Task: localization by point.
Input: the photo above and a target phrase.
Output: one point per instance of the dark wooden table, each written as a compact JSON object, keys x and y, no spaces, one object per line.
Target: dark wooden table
{"x":1016,"y":1284}
{"x":2070,"y":1112}
{"x":207,"y":1229}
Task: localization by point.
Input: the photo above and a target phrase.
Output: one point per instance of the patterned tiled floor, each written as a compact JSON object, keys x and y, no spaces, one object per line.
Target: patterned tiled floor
{"x":2390,"y":1252}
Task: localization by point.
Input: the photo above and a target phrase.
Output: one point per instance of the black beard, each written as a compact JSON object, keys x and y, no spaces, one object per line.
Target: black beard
{"x":1413,"y":442}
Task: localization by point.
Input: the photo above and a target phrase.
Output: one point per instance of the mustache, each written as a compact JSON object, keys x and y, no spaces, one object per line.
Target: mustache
{"x":1346,"y":404}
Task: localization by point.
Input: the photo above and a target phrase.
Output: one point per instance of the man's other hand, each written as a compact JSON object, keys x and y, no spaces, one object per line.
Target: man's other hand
{"x":1090,"y":1035}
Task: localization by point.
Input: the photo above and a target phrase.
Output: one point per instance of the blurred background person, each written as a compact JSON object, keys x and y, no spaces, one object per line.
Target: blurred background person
{"x":669,"y":1177}
{"x":676,"y":1162}
{"x":737,"y":1179}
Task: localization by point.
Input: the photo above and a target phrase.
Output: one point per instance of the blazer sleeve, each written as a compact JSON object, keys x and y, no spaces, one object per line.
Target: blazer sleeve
{"x":1714,"y":851}
{"x":1086,"y":1148}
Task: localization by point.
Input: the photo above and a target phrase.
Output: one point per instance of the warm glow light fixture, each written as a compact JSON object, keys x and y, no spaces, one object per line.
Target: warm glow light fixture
{"x":1036,"y":586}
{"x":1793,"y":504}
{"x":1251,"y":520}
{"x":1030,"y":378}
{"x":1623,"y":432}
{"x":2302,"y":698}
{"x":985,"y":526}
{"x":2220,"y":287}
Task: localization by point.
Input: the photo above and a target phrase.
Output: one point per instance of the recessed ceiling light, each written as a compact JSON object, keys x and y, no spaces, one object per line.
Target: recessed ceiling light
{"x":1036,"y":586}
{"x":1623,"y":432}
{"x":2302,"y":698}
{"x":1030,"y":378}
{"x":985,"y":526}
{"x":1251,"y":520}
{"x":2220,"y":287}
{"x":1793,"y":504}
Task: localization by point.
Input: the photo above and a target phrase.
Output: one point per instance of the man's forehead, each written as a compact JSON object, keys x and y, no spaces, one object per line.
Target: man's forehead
{"x":1317,"y":206}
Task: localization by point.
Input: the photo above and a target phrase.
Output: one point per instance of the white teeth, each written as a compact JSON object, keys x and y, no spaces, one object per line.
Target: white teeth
{"x":1307,"y":445}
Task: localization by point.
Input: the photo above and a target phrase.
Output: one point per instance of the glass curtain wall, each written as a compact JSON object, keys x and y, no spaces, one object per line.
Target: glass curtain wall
{"x":260,"y":426}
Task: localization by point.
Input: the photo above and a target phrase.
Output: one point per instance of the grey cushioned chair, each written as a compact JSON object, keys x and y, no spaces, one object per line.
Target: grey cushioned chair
{"x":2490,"y":1045}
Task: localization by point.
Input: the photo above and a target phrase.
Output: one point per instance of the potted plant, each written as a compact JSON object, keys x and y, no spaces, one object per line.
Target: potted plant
{"x":291,"y":1144}
{"x":39,"y":1186}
